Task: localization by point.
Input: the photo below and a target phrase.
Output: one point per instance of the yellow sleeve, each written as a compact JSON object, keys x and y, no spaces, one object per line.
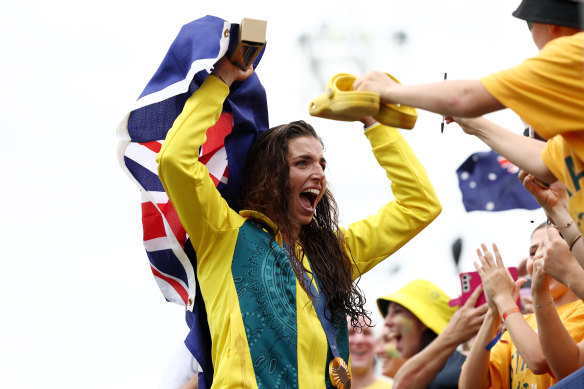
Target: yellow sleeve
{"x":200,"y":207}
{"x":414,"y":207}
{"x":564,"y":157}
{"x":547,"y":90}
{"x":553,"y":156}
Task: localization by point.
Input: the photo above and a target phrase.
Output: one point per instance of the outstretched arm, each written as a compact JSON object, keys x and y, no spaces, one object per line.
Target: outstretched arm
{"x":522,"y":151}
{"x":464,"y":98}
{"x":420,"y":370}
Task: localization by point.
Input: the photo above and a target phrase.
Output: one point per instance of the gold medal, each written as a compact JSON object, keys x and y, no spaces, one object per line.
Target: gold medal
{"x":339,"y":373}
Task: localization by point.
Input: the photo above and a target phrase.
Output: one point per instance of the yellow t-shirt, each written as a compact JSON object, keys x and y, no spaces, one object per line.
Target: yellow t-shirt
{"x":564,"y":156}
{"x":506,"y":366}
{"x":547,"y":91}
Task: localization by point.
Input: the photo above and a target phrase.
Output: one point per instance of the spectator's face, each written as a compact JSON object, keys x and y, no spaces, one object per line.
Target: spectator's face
{"x":362,"y":346}
{"x":557,"y":289}
{"x":406,"y":328}
{"x":388,"y":355}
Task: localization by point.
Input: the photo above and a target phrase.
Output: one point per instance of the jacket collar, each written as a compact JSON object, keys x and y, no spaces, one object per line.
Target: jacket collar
{"x":260,"y":217}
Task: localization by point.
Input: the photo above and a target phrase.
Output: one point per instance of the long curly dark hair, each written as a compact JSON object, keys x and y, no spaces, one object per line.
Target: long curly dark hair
{"x":266,"y":188}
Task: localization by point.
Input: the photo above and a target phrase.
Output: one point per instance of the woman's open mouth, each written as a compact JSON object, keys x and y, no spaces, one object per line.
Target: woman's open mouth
{"x":397,"y":342}
{"x":308,"y":198}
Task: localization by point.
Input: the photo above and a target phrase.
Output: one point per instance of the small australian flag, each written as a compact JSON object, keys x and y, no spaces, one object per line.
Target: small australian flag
{"x":489,"y":182}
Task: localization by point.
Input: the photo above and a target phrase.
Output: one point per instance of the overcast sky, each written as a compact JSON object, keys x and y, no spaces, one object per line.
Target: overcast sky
{"x":79,"y":305}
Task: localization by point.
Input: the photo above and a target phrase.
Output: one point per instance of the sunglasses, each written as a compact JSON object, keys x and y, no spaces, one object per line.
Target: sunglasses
{"x":529,"y":25}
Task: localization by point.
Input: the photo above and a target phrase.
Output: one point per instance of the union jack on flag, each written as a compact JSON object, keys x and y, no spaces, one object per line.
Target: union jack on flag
{"x":188,"y":62}
{"x":507,"y":165}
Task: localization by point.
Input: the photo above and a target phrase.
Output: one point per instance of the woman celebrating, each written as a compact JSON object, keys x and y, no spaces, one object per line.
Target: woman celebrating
{"x":427,"y":333}
{"x":263,"y":271}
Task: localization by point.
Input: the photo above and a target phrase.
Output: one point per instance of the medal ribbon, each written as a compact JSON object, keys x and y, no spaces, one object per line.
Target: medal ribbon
{"x":339,"y":373}
{"x":322,"y":311}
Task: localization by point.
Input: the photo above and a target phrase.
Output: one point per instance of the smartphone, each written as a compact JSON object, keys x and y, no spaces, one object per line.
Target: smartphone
{"x":469,"y":282}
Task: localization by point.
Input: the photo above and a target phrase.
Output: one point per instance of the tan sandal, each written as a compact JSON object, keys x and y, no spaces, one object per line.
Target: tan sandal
{"x":341,"y":102}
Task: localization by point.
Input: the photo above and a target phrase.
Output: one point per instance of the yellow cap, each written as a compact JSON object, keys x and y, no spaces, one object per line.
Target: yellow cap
{"x":425,"y":300}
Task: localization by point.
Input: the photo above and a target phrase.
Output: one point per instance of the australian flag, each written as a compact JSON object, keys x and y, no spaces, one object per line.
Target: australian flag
{"x":189,"y":60}
{"x":489,"y":182}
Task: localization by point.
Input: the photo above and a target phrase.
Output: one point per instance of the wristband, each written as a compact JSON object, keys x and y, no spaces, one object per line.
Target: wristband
{"x":544,"y":305}
{"x":493,"y":342}
{"x":509,"y":312}
{"x":574,"y":241}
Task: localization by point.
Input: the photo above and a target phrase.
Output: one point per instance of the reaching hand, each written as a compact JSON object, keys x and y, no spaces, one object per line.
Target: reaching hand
{"x":374,"y":82}
{"x":497,"y":281}
{"x":471,"y":126}
{"x":467,"y":320}
{"x":550,"y":198}
{"x":540,"y":281}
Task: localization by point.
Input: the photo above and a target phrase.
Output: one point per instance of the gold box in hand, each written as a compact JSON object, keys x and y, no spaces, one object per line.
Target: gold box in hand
{"x":249,"y":41}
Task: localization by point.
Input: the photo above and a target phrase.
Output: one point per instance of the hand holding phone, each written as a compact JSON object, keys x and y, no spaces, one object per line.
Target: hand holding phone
{"x":469,"y":282}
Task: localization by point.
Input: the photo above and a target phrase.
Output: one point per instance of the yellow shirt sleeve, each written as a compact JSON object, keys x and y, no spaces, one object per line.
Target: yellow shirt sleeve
{"x":414,"y":207}
{"x":204,"y":214}
{"x":547,"y":91}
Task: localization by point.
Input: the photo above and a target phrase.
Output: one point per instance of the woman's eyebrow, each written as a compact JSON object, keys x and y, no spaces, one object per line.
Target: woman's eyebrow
{"x":308,"y":156}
